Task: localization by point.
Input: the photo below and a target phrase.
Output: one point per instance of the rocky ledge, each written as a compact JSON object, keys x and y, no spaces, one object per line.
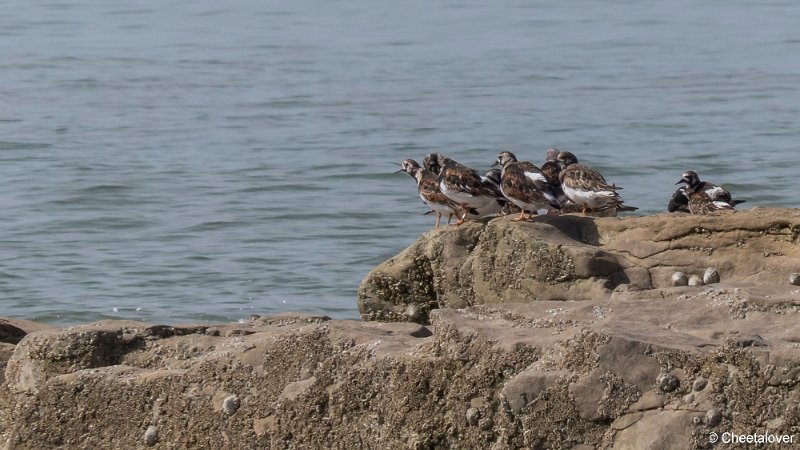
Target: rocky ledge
{"x":561,"y":333}
{"x":574,"y":257}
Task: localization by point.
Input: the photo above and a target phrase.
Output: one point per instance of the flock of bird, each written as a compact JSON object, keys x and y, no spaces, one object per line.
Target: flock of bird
{"x":560,"y":185}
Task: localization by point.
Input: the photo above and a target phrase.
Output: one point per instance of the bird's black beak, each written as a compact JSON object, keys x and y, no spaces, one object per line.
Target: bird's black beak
{"x":496,"y":163}
{"x":398,"y":171}
{"x":681,"y":181}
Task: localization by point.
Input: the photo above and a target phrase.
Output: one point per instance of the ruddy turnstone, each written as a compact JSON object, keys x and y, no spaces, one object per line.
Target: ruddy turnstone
{"x":429,"y":192}
{"x":679,"y":202}
{"x":586,"y":187}
{"x":701,"y":197}
{"x":552,"y":154}
{"x":506,"y":207}
{"x":526,"y":186}
{"x":465,"y":186}
{"x":681,"y":198}
{"x":552,"y":171}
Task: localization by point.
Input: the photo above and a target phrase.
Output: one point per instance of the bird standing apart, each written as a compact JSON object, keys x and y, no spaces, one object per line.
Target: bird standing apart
{"x":465,"y":186}
{"x":586,"y":187}
{"x":701,"y":197}
{"x":526,"y":186}
{"x":429,"y":192}
{"x":682,"y":198}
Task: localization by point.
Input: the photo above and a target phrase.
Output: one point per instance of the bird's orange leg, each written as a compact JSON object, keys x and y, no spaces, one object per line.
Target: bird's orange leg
{"x":438,"y":218}
{"x":465,"y":208}
{"x":521,"y":216}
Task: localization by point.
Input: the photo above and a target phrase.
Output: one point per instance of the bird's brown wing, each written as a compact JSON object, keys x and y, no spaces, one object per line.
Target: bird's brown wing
{"x":429,"y":190}
{"x":584,"y":178}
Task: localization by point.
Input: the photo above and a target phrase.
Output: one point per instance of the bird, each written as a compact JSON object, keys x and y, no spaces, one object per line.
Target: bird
{"x":465,"y":186}
{"x":526,"y":186}
{"x":679,"y":202}
{"x":506,"y":207}
{"x":552,"y":154}
{"x":700,"y":197}
{"x":587,"y":188}
{"x":429,"y":192}
{"x":681,"y":197}
{"x":552,"y":171}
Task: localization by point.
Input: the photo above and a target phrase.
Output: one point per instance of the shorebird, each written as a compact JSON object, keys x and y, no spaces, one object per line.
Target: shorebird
{"x":526,"y":186}
{"x":465,"y":186}
{"x":700,"y":197}
{"x":587,"y":188}
{"x":429,"y":192}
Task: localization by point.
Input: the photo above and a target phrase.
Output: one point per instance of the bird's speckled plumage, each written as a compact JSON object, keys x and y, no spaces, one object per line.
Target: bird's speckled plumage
{"x":586,"y":187}
{"x":429,"y":192}
{"x":465,"y":186}
{"x":682,"y":201}
{"x":526,"y":185}
{"x":700,"y":197}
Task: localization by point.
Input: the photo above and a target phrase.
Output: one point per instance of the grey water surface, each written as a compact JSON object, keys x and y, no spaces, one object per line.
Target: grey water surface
{"x":203,"y":161}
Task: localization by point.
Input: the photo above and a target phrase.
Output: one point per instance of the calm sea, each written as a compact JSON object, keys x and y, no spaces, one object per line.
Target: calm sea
{"x":199,"y":160}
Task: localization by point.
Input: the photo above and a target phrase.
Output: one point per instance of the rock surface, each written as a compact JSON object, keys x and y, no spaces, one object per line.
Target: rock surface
{"x":588,"y":346}
{"x":573,"y":257}
{"x":550,"y":374}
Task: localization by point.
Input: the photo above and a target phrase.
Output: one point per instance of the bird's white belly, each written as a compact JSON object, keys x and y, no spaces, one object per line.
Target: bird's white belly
{"x":438,"y":207}
{"x":590,"y":199}
{"x":461,"y":197}
{"x":486,"y":210}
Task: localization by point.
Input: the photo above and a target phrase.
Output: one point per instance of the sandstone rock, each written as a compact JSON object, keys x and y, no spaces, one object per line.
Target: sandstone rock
{"x":528,"y":386}
{"x":151,"y":436}
{"x":656,"y":431}
{"x":713,"y":416}
{"x":666,"y":382}
{"x":576,"y":257}
{"x":505,"y":376}
{"x":695,"y":280}
{"x":711,"y":276}
{"x":679,"y":279}
{"x":699,"y":384}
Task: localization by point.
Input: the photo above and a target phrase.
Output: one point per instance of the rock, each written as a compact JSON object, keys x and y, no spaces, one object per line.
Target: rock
{"x":230,"y":405}
{"x":679,"y":279}
{"x":571,"y":257}
{"x":666,"y":382}
{"x":699,"y":384}
{"x":539,"y":375}
{"x":13,"y":330}
{"x":625,"y":421}
{"x":711,"y":276}
{"x":528,"y":386}
{"x":794,"y":279}
{"x":657,"y":430}
{"x":649,"y":400}
{"x":713,"y":416}
{"x":473,"y":416}
{"x":695,"y":280}
{"x":151,"y":436}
